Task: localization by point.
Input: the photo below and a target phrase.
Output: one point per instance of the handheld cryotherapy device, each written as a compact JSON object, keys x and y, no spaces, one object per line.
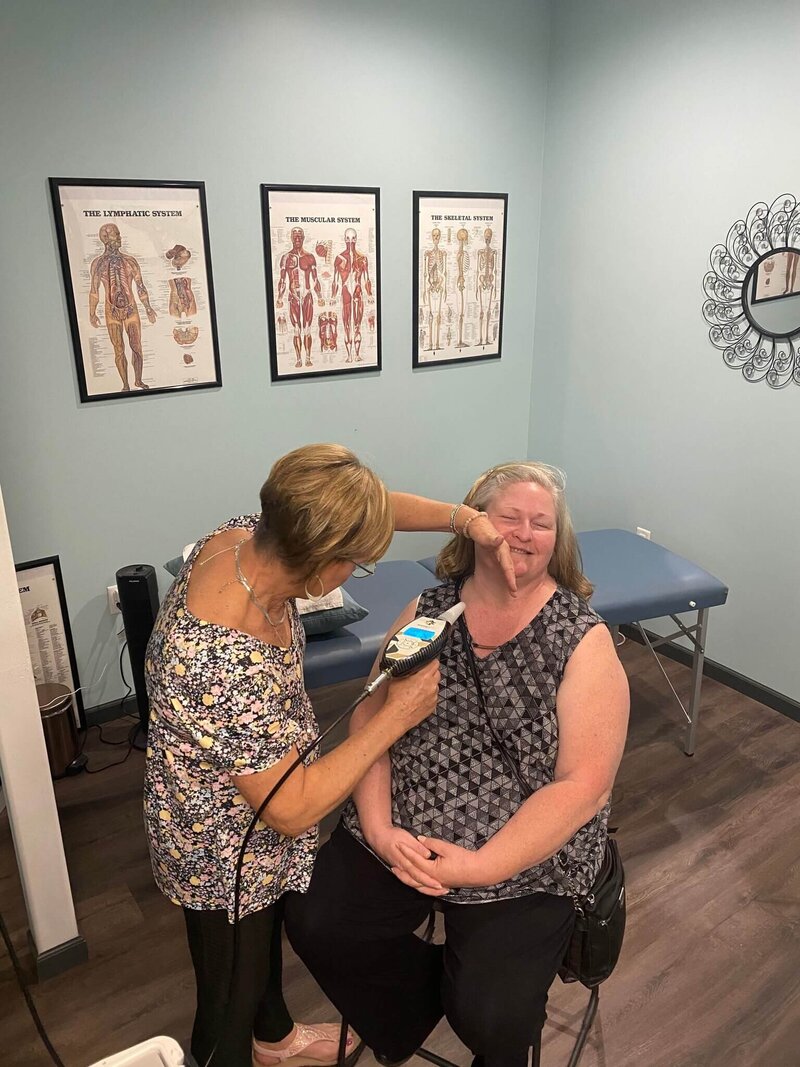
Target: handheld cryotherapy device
{"x":414,"y":645}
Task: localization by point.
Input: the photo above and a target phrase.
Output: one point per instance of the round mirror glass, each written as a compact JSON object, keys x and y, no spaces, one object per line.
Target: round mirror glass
{"x":771,"y":293}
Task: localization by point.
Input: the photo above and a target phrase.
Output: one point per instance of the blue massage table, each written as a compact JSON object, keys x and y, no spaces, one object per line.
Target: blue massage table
{"x":635,"y":579}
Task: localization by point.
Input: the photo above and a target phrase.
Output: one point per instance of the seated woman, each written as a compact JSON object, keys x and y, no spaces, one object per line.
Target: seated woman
{"x":497,"y":803}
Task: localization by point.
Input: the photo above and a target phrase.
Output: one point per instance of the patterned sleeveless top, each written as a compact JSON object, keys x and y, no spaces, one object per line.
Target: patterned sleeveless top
{"x":449,"y":779}
{"x":222,"y":703}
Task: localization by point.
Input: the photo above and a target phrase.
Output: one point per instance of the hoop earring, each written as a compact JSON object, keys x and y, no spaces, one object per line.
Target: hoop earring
{"x":319,"y":595}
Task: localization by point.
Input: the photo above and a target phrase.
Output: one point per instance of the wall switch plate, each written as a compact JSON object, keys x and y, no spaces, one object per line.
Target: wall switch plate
{"x":113,"y":600}
{"x":642,"y":532}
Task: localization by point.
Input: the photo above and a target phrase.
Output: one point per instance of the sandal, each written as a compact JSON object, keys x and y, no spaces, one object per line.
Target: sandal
{"x":298,"y":1052}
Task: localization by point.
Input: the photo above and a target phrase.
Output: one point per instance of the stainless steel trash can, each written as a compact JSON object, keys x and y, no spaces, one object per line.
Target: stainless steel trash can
{"x":58,"y":723}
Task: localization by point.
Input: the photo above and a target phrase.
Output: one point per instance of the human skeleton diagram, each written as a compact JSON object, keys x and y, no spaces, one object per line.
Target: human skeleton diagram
{"x":434,"y":287}
{"x":181,"y":298}
{"x":462,"y":266}
{"x":118,"y":273}
{"x":298,"y":272}
{"x":351,"y":270}
{"x":485,"y":285}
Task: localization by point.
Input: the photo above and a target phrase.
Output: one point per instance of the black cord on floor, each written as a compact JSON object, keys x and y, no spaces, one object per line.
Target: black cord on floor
{"x":23,"y":985}
{"x":96,"y":725}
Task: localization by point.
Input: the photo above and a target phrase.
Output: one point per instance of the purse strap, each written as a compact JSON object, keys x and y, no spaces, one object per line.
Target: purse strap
{"x":508,"y":759}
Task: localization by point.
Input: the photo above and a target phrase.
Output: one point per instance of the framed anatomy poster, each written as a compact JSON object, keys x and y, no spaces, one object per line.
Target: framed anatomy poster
{"x":322,"y":253}
{"x":459,"y":276}
{"x":137,"y":274}
{"x":44,"y":607}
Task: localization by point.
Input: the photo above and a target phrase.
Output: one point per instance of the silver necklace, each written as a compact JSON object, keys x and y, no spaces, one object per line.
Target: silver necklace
{"x":251,"y":592}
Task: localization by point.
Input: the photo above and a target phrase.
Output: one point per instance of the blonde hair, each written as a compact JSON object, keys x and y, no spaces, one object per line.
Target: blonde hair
{"x":319,"y":504}
{"x":457,"y":558}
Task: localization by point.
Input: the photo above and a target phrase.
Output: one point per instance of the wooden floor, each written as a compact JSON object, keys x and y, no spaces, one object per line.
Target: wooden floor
{"x":710,"y":971}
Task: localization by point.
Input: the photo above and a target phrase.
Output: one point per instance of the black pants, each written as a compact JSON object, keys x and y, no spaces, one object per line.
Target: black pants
{"x":354,"y":929}
{"x":256,"y":998}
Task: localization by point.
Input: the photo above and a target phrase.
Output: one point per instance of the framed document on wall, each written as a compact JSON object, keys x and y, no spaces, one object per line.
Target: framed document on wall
{"x":459,"y":276}
{"x":136,"y":264}
{"x":322,"y":252}
{"x":44,"y":606}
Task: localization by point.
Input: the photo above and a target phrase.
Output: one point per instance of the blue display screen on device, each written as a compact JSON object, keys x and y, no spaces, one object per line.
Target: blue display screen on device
{"x":423,"y":635}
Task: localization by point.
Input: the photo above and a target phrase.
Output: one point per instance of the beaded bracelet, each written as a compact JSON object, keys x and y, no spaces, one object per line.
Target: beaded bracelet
{"x":453,"y":515}
{"x":472,"y":518}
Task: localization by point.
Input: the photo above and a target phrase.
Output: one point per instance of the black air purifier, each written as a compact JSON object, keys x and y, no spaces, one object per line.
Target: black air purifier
{"x":137,"y":589}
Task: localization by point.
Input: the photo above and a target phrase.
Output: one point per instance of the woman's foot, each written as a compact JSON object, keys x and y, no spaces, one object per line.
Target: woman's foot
{"x":309,"y":1044}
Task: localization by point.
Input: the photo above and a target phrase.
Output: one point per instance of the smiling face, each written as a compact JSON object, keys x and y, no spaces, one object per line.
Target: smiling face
{"x":525,"y":514}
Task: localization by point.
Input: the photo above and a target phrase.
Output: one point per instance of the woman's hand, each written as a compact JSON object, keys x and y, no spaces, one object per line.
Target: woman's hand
{"x":387,"y":843}
{"x":483,"y":533}
{"x":414,"y":697}
{"x":451,"y":866}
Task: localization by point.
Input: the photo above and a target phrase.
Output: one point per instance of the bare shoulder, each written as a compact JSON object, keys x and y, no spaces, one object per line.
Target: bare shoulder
{"x":595,"y":659}
{"x":212,"y":570}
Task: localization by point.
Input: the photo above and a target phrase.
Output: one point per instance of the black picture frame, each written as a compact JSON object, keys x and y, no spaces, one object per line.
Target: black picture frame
{"x":322,"y":347}
{"x":67,"y":672}
{"x":453,"y":340}
{"x":178,"y":343}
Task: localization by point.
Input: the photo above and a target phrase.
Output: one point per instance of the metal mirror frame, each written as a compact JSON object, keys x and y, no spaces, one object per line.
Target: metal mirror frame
{"x":759,"y":354}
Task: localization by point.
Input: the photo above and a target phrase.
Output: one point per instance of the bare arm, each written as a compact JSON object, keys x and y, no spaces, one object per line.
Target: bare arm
{"x":312,"y":791}
{"x":373,"y":794}
{"x":592,"y":706}
{"x":419,"y":513}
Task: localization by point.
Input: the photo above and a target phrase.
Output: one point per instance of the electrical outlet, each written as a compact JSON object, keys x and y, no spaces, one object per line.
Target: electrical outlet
{"x":113,"y":600}
{"x":642,"y":532}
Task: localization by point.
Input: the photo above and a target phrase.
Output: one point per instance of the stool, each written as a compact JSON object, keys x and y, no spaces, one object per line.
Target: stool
{"x":431,"y":1057}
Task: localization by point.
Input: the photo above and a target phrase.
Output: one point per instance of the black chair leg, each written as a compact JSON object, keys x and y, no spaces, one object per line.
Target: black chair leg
{"x":586,"y":1025}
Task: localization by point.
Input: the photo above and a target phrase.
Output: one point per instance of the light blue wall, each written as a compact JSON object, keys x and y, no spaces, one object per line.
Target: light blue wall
{"x":447,"y":94}
{"x":665,"y":123}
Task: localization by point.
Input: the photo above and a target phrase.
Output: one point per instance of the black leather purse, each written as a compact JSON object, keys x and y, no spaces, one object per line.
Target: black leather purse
{"x":596,"y":940}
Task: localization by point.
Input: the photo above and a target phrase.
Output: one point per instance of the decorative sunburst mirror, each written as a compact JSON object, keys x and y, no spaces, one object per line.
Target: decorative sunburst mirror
{"x":753,"y":294}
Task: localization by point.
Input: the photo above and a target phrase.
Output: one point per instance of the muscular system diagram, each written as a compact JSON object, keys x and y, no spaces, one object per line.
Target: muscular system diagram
{"x":328,"y":325}
{"x":118,"y":275}
{"x":351,"y":271}
{"x":298,"y":275}
{"x":434,"y":287}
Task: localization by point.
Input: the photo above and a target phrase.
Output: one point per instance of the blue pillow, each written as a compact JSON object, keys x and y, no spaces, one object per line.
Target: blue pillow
{"x":315,"y":621}
{"x":325,"y":620}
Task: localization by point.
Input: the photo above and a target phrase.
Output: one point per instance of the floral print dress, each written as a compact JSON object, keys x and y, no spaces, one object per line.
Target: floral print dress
{"x":222,"y":703}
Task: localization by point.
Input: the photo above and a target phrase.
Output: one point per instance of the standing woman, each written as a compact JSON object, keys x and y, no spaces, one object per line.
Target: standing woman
{"x":229,"y":714}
